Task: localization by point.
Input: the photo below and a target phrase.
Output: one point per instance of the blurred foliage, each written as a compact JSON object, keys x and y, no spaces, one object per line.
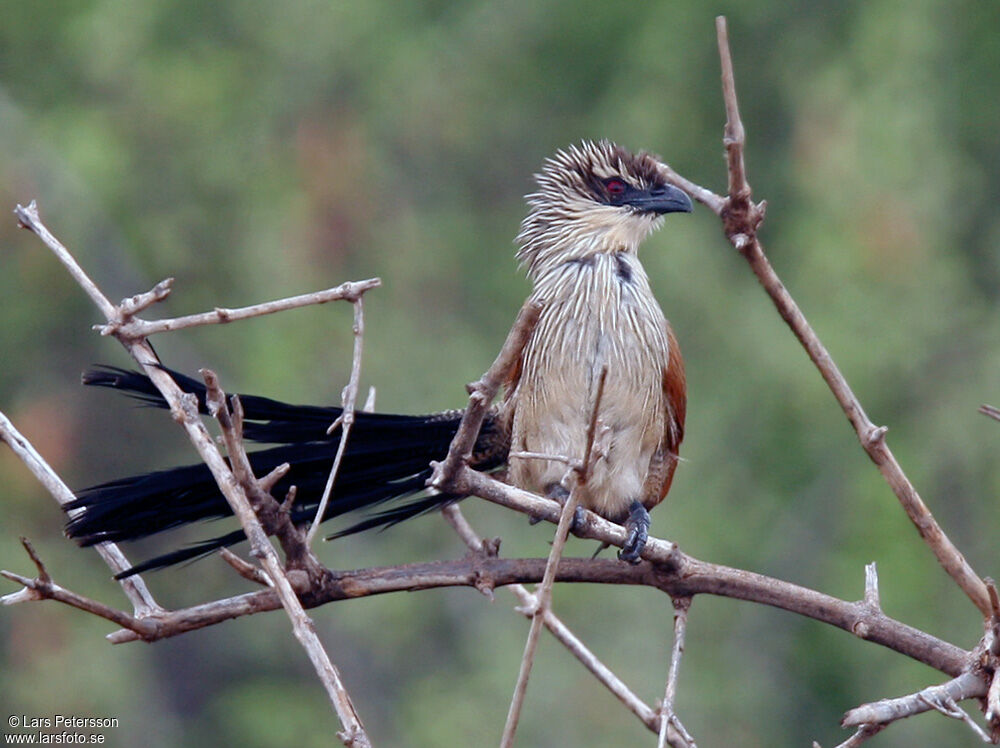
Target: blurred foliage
{"x":256,"y":149}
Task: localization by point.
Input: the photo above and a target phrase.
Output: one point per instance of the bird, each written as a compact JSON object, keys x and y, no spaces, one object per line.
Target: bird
{"x":594,"y":205}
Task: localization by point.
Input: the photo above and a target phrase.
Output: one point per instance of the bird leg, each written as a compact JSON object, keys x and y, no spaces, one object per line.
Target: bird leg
{"x":637,"y":526}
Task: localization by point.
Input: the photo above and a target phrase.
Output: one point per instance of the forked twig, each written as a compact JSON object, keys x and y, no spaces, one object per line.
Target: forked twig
{"x":453,"y":515}
{"x":41,"y":587}
{"x":964,"y":686}
{"x":668,"y":717}
{"x":302,"y":626}
{"x":348,"y":399}
{"x":131,"y":326}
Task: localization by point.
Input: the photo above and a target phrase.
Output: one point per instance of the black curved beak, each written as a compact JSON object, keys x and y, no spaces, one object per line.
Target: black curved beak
{"x":660,"y":199}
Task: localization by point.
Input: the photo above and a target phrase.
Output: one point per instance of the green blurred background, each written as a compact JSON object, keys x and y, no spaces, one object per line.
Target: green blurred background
{"x":255,"y":149}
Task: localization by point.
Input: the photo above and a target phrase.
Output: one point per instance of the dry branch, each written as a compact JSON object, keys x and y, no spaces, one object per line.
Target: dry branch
{"x":134,"y":587}
{"x":741,"y":218}
{"x":185,"y":412}
{"x":247,"y":503}
{"x":686,"y":576}
{"x":41,"y":587}
{"x":665,"y":568}
{"x":132,"y":327}
{"x":967,"y":685}
{"x":348,"y":399}
{"x":559,"y":630}
{"x":668,"y":718}
{"x":481,"y":394}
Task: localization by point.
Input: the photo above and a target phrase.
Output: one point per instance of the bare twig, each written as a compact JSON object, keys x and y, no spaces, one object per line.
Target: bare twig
{"x":347,"y":398}
{"x":991,"y":411}
{"x":134,"y":587}
{"x":862,"y":734}
{"x":741,"y":219}
{"x":453,"y":514}
{"x":130,"y":326}
{"x":41,"y":587}
{"x":967,"y":685}
{"x":481,"y":394}
{"x":871,"y":587}
{"x":248,"y":571}
{"x":369,"y":406}
{"x":265,"y":508}
{"x":131,"y":306}
{"x":186,"y":413}
{"x":949,"y":708}
{"x":28,"y":219}
{"x":541,"y":456}
{"x":543,"y":595}
{"x":739,"y":189}
{"x":668,"y":717}
{"x":302,"y":626}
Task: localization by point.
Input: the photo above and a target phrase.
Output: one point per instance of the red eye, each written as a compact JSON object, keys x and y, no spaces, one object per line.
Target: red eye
{"x":615,"y":187}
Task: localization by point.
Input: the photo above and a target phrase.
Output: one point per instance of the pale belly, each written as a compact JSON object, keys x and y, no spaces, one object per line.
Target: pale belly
{"x":556,"y":393}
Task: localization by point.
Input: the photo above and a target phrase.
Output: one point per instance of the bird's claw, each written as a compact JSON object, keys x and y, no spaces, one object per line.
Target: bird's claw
{"x":637,"y":526}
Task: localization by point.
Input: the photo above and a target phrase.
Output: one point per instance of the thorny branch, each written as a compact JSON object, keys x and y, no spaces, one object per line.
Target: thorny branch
{"x":250,"y":504}
{"x":741,"y":218}
{"x":185,"y":412}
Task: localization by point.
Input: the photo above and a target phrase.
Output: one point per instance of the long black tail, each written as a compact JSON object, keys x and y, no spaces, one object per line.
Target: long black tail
{"x":386,"y":458}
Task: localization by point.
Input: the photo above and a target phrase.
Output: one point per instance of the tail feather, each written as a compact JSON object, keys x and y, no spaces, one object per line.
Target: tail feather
{"x":386,"y":458}
{"x":203,"y":548}
{"x":266,"y":420}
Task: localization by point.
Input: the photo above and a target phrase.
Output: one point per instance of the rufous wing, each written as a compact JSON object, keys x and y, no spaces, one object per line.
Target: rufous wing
{"x":664,"y":461}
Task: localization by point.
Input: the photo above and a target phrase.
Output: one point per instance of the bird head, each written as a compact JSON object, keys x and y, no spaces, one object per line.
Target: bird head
{"x":594,"y":197}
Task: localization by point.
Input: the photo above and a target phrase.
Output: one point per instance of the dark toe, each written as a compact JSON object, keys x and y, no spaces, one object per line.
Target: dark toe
{"x":637,"y":526}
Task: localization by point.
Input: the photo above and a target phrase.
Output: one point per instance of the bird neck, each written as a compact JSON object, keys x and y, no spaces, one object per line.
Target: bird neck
{"x":546,"y":244}
{"x":599,"y":285}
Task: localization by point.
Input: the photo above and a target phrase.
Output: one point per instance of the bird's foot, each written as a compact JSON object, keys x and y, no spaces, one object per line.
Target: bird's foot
{"x":558,"y":492}
{"x":637,"y":527}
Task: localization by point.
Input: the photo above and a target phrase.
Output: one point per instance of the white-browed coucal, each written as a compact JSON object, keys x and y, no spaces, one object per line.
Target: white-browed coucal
{"x":595,"y":204}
